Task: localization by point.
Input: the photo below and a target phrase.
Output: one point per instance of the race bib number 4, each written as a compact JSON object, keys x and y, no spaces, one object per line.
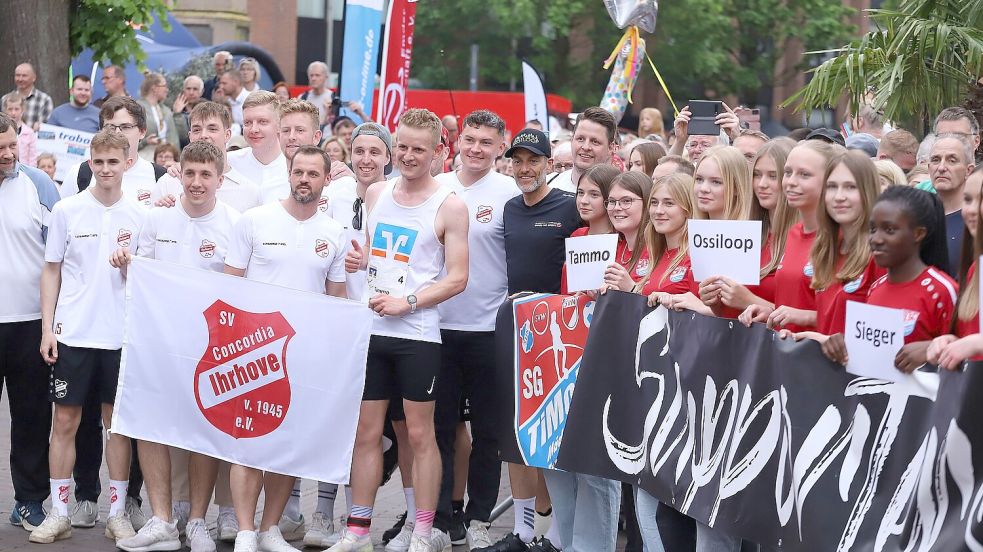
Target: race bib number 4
{"x":389,"y":258}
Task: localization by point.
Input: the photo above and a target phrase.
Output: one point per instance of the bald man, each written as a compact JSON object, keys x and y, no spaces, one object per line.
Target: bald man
{"x":37,"y":104}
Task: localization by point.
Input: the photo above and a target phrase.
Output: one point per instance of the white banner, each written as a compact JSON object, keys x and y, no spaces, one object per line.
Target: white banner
{"x":69,"y":146}
{"x":535,"y":96}
{"x":251,"y":373}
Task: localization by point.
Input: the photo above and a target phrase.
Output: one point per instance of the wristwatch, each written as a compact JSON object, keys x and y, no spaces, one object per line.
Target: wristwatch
{"x":411,"y":299}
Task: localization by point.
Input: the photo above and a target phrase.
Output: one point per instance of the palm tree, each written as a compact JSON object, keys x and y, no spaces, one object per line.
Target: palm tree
{"x":920,"y":58}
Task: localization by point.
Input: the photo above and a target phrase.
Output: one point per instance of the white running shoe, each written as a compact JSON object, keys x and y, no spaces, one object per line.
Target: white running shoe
{"x":478,"y":535}
{"x":53,"y":528}
{"x":273,"y":541}
{"x":351,"y":542}
{"x":85,"y":514}
{"x":156,"y":534}
{"x":247,"y":541}
{"x":227,"y":525}
{"x":137,"y":517}
{"x":319,"y":531}
{"x":119,"y":527}
{"x":291,"y":529}
{"x":197,"y":537}
{"x":438,"y":542}
{"x":401,"y":542}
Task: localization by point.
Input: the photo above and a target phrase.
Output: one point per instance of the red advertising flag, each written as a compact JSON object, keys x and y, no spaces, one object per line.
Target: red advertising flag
{"x":397,"y":54}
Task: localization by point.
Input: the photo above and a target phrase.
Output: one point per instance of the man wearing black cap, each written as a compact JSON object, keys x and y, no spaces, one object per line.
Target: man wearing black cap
{"x":827,"y":135}
{"x":536,"y":225}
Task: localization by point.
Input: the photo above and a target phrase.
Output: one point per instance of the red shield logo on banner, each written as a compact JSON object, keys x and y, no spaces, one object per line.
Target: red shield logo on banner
{"x":241,"y":383}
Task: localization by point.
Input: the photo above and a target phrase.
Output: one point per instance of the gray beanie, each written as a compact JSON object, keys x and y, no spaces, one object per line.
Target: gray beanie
{"x":380,"y":132}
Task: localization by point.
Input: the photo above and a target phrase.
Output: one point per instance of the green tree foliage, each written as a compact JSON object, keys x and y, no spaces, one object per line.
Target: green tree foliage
{"x":725,"y":46}
{"x":108,"y":27}
{"x":921,"y":57}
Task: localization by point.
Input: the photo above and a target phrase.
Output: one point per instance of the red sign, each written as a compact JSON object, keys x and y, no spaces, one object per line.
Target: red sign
{"x":397,"y":54}
{"x":241,"y":382}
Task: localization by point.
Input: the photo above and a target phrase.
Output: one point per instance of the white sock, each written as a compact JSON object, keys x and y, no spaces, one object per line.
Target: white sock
{"x":117,"y":496}
{"x":326,"y":494}
{"x":292,"y":509}
{"x":525,"y":518}
{"x":59,"y":495}
{"x":410,"y":504}
{"x":348,"y":499}
{"x":553,"y":533}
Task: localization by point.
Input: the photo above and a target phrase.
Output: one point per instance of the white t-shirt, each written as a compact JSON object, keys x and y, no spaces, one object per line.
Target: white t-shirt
{"x":274,"y":247}
{"x":563,"y":182}
{"x":340,"y":206}
{"x":139,"y":183}
{"x":82,"y":235}
{"x":170,"y":234}
{"x":236,"y":106}
{"x":272,"y":179}
{"x":236,"y":191}
{"x":26,"y":200}
{"x":319,"y":100}
{"x":475,"y":308}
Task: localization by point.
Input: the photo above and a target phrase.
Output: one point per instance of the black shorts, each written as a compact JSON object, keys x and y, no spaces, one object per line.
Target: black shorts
{"x":79,"y":369}
{"x":401,"y":368}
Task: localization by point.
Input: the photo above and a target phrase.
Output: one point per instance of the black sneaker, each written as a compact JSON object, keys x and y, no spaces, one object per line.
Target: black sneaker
{"x":458,"y":532}
{"x":391,"y":533}
{"x":542,"y":544}
{"x":509,"y":543}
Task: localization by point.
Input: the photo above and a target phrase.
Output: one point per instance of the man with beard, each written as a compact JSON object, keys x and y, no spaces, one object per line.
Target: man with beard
{"x":537,"y":223}
{"x":594,"y":142}
{"x":282,"y":243}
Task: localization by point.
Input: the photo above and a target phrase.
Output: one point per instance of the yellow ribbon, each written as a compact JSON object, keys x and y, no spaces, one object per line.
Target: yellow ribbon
{"x":634,"y":39}
{"x":663,"y":83}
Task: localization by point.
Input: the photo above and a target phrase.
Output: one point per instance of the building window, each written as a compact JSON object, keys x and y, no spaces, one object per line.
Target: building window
{"x":201,"y":31}
{"x":314,"y":9}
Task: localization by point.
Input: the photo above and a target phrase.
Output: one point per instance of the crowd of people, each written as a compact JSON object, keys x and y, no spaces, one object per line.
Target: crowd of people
{"x":290,"y":193}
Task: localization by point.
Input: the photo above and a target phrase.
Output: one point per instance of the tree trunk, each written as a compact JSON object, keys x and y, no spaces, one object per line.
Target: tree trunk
{"x":36,"y":32}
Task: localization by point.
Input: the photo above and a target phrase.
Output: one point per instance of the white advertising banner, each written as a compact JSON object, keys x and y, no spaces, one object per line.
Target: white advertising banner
{"x":69,"y":146}
{"x":255,"y":374}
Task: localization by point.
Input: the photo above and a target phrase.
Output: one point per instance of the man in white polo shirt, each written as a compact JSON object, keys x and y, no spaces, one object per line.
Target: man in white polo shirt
{"x":289,"y":243}
{"x":27,"y":196}
{"x":82,"y":326}
{"x":212,"y":122}
{"x":467,"y":331}
{"x":262,"y":161}
{"x":195,"y":232}
{"x":124,"y":115}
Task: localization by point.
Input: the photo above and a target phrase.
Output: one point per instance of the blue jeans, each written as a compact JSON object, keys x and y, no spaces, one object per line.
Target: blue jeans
{"x":645,"y":507}
{"x":709,"y":539}
{"x":585,"y":509}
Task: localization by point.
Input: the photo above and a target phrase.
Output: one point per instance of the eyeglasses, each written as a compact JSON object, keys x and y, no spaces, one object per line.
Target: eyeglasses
{"x":121,"y":128}
{"x":624,"y":203}
{"x":357,"y":209}
{"x":560,"y":167}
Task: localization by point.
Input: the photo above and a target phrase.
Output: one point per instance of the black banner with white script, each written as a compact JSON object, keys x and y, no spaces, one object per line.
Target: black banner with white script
{"x":768,"y":440}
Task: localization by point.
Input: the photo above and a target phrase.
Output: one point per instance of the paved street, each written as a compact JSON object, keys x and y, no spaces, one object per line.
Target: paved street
{"x":388,"y":507}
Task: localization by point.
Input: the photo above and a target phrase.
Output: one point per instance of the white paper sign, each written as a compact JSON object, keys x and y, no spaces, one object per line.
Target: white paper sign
{"x":873,"y":336}
{"x":70,"y":147}
{"x":730,"y":248}
{"x":586,"y":258}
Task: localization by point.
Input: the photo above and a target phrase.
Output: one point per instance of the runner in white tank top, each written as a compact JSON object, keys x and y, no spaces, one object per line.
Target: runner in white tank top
{"x":415,"y":229}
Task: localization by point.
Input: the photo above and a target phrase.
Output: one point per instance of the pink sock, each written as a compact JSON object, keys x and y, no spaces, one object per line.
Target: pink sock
{"x":424,"y":522}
